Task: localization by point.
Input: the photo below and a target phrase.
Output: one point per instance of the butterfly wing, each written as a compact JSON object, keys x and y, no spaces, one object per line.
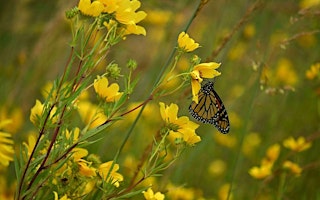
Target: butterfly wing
{"x":210,"y":109}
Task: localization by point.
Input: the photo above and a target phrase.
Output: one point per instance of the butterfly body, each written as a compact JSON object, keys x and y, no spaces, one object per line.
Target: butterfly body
{"x":210,"y":108}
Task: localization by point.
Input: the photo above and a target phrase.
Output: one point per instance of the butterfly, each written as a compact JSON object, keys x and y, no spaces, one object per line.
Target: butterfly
{"x":210,"y":108}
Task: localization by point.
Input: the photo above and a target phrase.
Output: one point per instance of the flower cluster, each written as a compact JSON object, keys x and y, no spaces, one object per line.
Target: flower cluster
{"x":123,"y":12}
{"x":272,"y":155}
{"x":179,"y":127}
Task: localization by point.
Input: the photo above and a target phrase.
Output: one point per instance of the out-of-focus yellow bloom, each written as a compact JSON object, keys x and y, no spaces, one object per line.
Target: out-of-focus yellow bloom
{"x":260,"y":172}
{"x":267,"y":162}
{"x":150,"y":195}
{"x":159,"y":17}
{"x":224,"y":192}
{"x":91,"y":114}
{"x":308,"y":40}
{"x":297,"y":145}
{"x":56,"y":197}
{"x":251,"y":141}
{"x":293,"y":167}
{"x":285,"y":72}
{"x":221,"y":139}
{"x":175,"y":192}
{"x":237,"y":51}
{"x":217,"y":167}
{"x":6,"y":148}
{"x":93,"y":9}
{"x":186,"y":43}
{"x":8,"y":117}
{"x":109,"y":93}
{"x":180,"y":127}
{"x":114,"y":176}
{"x":309,"y":3}
{"x":249,"y":31}
{"x":272,"y":154}
{"x":313,"y":72}
{"x":200,"y":71}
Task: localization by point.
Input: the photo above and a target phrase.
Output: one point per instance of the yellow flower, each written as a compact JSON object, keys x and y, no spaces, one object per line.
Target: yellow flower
{"x":91,"y":114}
{"x":65,"y":197}
{"x":149,"y":195}
{"x":175,"y":192}
{"x":217,"y":167}
{"x":224,"y":192}
{"x":267,"y":162}
{"x":293,"y":167}
{"x":31,"y":143}
{"x":112,"y":176}
{"x":186,"y":43}
{"x":272,"y":154}
{"x":304,"y":4}
{"x":200,"y":71}
{"x":85,"y":170}
{"x":111,"y":93}
{"x":260,"y":172}
{"x":313,"y":72}
{"x":180,"y":127}
{"x":285,"y":72}
{"x":125,"y":13}
{"x":37,"y":111}
{"x":79,"y":153}
{"x":296,"y":145}
{"x":93,"y":9}
{"x":6,"y":148}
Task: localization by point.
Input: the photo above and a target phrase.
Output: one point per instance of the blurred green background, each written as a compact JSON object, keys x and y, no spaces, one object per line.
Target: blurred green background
{"x":263,"y":85}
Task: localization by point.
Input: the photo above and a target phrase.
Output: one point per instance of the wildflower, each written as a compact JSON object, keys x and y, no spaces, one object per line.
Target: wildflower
{"x":251,"y":141}
{"x":217,"y":167}
{"x":265,"y":168}
{"x":175,"y":192}
{"x":109,"y":93}
{"x":186,"y":43}
{"x":37,"y":111}
{"x":296,"y":145}
{"x":313,"y":72}
{"x":260,"y":172}
{"x":272,"y":154}
{"x":285,"y":72}
{"x":56,"y":197}
{"x":293,"y":167}
{"x":224,"y":192}
{"x":110,"y":176}
{"x":91,"y":114}
{"x":6,"y":148}
{"x":86,"y":170}
{"x":149,"y":195}
{"x":93,"y":9}
{"x":180,"y":127}
{"x":31,"y":143}
{"x":79,"y":153}
{"x":125,"y":13}
{"x":200,"y":71}
{"x":249,"y":31}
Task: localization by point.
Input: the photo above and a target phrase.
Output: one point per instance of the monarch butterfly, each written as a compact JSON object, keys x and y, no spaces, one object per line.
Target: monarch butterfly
{"x":210,"y":109}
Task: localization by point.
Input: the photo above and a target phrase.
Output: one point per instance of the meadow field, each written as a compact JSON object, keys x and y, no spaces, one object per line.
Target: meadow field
{"x":95,"y":99}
